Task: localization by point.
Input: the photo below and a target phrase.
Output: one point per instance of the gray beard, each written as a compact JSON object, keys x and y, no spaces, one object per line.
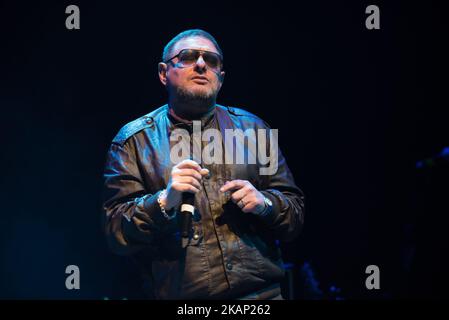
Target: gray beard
{"x":194,"y":97}
{"x":197,"y":103}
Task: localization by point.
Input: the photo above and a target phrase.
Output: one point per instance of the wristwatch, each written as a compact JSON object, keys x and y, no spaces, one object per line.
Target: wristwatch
{"x":268,"y":207}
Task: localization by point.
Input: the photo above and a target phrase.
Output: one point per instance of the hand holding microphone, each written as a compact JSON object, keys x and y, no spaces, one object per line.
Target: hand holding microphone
{"x":185,"y":177}
{"x":185,"y":181}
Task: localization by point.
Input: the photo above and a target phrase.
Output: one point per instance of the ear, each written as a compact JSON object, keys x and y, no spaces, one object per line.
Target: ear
{"x":162,"y":70}
{"x":221,"y":76}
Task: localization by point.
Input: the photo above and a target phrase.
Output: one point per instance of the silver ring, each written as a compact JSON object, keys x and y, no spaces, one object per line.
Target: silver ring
{"x":241,"y":204}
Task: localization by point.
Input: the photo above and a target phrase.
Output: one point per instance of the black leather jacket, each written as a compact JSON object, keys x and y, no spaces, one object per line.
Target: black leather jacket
{"x":230,"y":253}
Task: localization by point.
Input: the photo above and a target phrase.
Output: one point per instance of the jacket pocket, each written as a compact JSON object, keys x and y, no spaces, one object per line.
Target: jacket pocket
{"x":261,"y":260}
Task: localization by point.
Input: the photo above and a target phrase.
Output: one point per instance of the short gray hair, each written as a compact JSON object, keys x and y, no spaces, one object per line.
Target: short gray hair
{"x":189,"y":34}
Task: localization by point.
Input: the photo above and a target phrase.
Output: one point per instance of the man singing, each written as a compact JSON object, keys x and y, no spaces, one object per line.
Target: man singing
{"x":231,"y":250}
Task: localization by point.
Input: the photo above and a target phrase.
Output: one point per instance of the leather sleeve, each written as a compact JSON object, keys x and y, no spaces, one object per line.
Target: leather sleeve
{"x":287,"y":217}
{"x":129,"y":229}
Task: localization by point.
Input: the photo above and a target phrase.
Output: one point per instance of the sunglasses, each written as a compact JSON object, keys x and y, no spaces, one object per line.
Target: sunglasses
{"x":188,"y":57}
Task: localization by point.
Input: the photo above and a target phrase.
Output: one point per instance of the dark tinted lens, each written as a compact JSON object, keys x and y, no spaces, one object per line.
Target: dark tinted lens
{"x":212,"y":59}
{"x":188,"y":56}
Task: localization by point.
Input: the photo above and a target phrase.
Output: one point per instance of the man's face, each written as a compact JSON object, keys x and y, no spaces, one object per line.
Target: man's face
{"x":196,"y":81}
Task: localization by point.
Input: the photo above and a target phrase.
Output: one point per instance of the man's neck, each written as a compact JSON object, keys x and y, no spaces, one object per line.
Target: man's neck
{"x":192,"y":110}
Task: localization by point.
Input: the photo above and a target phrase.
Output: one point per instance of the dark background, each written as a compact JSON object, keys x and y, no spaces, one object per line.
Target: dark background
{"x":355,"y":109}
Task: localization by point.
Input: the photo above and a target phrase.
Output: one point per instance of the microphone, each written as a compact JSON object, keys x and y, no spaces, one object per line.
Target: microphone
{"x":187,"y":204}
{"x":187,"y":210}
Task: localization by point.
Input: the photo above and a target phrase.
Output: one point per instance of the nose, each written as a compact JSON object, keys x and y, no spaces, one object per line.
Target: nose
{"x":200,"y":63}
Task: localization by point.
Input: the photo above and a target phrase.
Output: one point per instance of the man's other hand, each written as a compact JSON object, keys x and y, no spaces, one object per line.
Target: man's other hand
{"x":245,"y":195}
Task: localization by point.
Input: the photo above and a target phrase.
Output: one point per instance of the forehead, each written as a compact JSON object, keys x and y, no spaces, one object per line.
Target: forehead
{"x":198,"y":43}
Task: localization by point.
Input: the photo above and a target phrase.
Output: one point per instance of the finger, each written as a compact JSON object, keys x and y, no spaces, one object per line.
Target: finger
{"x":233,"y":185}
{"x":189,"y":164}
{"x":189,"y":180}
{"x":204,"y":172}
{"x":189,"y":188}
{"x":249,"y":203}
{"x":238,"y":195}
{"x":185,"y":187}
{"x":178,"y":184}
{"x":190,"y":173}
